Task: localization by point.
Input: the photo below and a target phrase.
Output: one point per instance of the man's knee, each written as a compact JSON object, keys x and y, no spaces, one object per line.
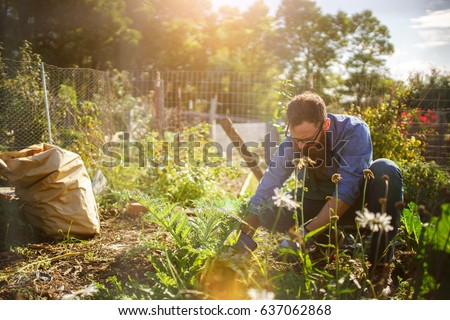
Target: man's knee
{"x":385,"y":166}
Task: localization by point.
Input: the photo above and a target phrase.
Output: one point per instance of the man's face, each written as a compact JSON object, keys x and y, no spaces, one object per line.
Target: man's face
{"x":309,"y":138}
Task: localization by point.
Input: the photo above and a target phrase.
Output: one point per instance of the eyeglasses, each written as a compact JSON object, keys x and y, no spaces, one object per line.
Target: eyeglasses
{"x":298,"y":140}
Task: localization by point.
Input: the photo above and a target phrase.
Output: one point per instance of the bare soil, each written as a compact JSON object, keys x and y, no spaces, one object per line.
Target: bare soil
{"x":40,"y":269}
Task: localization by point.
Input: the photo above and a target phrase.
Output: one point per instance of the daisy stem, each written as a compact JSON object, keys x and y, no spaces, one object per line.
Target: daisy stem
{"x":358,"y":231}
{"x":303,"y":253}
{"x":303,"y":197}
{"x":358,"y":236}
{"x":336,"y":239}
{"x":276,"y":220}
{"x":363,"y":204}
{"x":379,"y":235}
{"x":295,"y":199}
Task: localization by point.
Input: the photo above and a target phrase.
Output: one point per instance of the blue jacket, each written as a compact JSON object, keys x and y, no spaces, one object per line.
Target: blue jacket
{"x":348,"y":150}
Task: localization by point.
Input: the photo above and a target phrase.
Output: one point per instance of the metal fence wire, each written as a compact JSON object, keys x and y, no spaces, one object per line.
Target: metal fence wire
{"x":75,"y":93}
{"x":185,"y":98}
{"x":44,"y":103}
{"x":22,"y":116}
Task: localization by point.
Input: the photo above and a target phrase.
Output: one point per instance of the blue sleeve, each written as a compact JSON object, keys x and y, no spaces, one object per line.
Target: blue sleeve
{"x":356,"y":155}
{"x":278,"y":171}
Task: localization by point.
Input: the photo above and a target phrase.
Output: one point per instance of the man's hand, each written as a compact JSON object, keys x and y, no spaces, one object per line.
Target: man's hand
{"x":323,"y":218}
{"x":298,"y":235}
{"x":245,"y":244}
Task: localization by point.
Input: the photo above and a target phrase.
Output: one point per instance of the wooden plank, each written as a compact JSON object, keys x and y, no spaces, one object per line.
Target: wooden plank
{"x":237,"y":141}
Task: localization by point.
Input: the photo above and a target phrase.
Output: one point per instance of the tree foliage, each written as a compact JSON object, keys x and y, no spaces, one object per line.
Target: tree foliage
{"x":68,"y":33}
{"x":368,"y":44}
{"x":306,"y":40}
{"x":189,"y":35}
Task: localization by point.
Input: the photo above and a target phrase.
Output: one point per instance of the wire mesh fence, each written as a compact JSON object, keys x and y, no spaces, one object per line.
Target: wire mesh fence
{"x":22,"y":117}
{"x":185,"y":98}
{"x":74,"y":94}
{"x":436,"y":125}
{"x":86,"y":107}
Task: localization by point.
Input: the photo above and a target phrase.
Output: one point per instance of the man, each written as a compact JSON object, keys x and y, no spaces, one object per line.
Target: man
{"x":337,"y":144}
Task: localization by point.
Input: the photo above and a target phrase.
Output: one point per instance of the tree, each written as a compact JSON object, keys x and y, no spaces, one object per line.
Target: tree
{"x":308,"y":41}
{"x":430,"y":91}
{"x":239,"y":42}
{"x":368,"y":43}
{"x":86,"y":33}
{"x":173,"y":33}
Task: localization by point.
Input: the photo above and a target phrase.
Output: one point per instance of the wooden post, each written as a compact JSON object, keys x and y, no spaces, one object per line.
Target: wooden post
{"x":212,"y":117}
{"x":237,"y":141}
{"x":157,"y":102}
{"x":159,"y":105}
{"x":179,"y":110}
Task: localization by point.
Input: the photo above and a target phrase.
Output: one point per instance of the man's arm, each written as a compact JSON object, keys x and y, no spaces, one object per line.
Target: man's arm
{"x":279,"y":170}
{"x":328,"y":210}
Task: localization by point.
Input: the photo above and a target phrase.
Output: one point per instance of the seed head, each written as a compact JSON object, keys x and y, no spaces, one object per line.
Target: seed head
{"x":336,"y":178}
{"x":368,"y":174}
{"x":334,"y":218}
{"x":303,"y":162}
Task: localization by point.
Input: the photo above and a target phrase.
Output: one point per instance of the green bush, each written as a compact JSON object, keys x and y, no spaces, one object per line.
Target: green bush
{"x":83,"y":136}
{"x":425,"y":183}
{"x":388,"y":133}
{"x":434,"y":259}
{"x":179,"y":175}
{"x":22,"y":109}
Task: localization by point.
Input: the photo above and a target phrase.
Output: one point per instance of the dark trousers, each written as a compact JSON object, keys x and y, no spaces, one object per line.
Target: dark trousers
{"x":376,"y":189}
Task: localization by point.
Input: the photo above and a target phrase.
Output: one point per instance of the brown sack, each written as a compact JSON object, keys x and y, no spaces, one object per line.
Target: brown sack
{"x":56,"y":189}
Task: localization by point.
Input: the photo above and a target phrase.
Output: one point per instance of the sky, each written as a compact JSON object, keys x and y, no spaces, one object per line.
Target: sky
{"x":420,"y":29}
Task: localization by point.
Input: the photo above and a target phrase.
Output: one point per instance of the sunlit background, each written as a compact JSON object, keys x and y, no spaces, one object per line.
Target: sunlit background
{"x":420,"y":29}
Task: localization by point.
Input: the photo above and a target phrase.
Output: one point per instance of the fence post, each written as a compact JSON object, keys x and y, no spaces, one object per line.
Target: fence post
{"x":47,"y":109}
{"x":212,"y":117}
{"x":162,"y":123}
{"x":157,"y":103}
{"x":179,"y":110}
{"x":159,"y":107}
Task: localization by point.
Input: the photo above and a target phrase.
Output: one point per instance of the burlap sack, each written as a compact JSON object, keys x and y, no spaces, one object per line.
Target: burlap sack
{"x":56,"y":189}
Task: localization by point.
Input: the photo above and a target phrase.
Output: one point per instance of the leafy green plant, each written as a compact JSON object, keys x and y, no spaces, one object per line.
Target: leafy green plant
{"x":411,"y":226}
{"x":183,"y":174}
{"x":22,"y":117}
{"x":78,"y":125}
{"x":384,"y":122}
{"x":425,"y":183}
{"x":434,"y":258}
{"x":196,"y":237}
{"x":285,"y":92}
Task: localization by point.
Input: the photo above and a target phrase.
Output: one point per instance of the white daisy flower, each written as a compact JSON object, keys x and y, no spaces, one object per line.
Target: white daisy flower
{"x":381,"y":222}
{"x":374,"y":221}
{"x":284,"y":200}
{"x":263,"y":294}
{"x":364,"y":217}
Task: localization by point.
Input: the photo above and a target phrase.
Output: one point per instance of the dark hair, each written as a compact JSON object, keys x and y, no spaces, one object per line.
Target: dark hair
{"x":308,"y":106}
